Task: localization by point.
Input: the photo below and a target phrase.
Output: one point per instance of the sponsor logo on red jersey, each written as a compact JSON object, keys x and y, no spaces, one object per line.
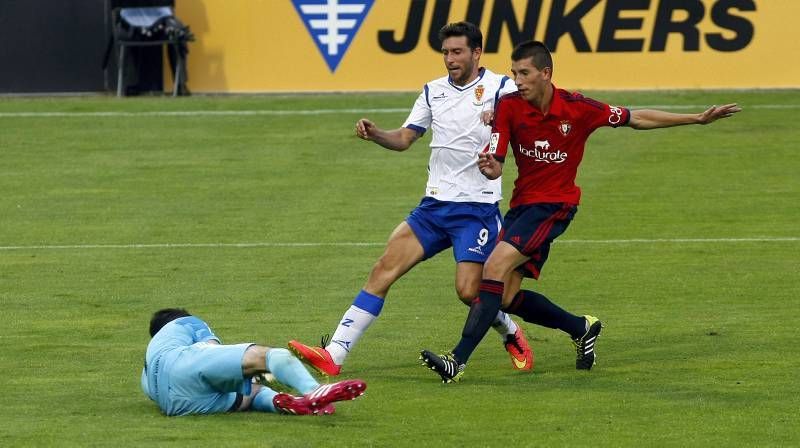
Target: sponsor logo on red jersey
{"x":541,"y":152}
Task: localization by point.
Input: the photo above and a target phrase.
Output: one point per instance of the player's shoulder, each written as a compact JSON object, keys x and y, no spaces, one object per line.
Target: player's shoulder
{"x":577,"y":99}
{"x":490,"y":75}
{"x":443,"y":81}
{"x":510,"y":99}
{"x":189,"y":320}
{"x":495,"y":80}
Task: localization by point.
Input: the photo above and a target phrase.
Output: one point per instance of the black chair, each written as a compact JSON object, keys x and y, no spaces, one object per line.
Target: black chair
{"x":139,"y":27}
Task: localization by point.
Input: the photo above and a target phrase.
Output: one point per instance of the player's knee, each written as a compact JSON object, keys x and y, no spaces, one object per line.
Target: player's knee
{"x":279,"y":355}
{"x":467,"y":292}
{"x":254,"y":359}
{"x":493,"y":271}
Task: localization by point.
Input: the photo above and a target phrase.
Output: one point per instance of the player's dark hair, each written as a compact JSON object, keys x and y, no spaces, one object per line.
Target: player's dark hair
{"x":535,"y":50}
{"x":165,"y":316}
{"x":457,"y":29}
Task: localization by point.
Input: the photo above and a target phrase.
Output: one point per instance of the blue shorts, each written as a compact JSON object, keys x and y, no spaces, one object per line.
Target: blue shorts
{"x":531,"y":228}
{"x":470,"y":228}
{"x":205,"y":379}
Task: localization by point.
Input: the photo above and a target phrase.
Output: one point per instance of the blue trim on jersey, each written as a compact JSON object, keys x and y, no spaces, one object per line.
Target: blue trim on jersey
{"x":481,"y":72}
{"x":199,"y":330}
{"x":425,"y":88}
{"x":497,"y":94}
{"x":420,"y":130}
{"x":368,"y":302}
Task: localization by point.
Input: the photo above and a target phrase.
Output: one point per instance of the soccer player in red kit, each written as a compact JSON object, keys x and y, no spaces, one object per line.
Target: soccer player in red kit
{"x":547,"y":129}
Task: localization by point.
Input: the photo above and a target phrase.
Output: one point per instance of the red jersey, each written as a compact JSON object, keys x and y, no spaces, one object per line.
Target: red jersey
{"x":549,"y":148}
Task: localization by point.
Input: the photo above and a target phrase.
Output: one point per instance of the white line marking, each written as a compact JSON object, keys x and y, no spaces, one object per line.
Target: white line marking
{"x":685,"y":240}
{"x":376,"y":244}
{"x":185,"y":245}
{"x":197,"y":113}
{"x":237,"y":113}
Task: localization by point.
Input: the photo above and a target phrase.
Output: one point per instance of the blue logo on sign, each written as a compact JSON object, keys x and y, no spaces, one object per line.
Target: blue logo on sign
{"x":333,"y":24}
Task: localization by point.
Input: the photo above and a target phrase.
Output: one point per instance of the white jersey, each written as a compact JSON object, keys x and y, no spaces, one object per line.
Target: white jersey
{"x":459,"y":135}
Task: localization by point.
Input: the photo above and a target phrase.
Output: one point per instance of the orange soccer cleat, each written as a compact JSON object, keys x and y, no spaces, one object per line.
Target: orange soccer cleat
{"x":316,"y":357}
{"x":519,"y":350}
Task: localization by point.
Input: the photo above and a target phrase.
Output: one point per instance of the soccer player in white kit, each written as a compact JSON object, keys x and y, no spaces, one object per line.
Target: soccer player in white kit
{"x":460,"y":206}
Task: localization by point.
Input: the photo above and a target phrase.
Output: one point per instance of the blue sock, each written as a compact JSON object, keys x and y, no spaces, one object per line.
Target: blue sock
{"x":263,"y":400}
{"x":289,"y":370}
{"x":368,"y":302}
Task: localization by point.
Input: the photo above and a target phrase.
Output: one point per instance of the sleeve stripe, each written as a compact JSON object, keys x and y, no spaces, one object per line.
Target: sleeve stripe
{"x":420,"y":130}
{"x":426,"y":97}
{"x":502,"y":83}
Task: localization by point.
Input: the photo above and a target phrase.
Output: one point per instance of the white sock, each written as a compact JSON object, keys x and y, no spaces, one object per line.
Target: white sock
{"x":504,"y":325}
{"x":354,"y":322}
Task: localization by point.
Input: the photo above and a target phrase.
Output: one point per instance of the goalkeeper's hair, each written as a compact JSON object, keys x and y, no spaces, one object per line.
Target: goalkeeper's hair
{"x":165,"y":316}
{"x":457,"y":29}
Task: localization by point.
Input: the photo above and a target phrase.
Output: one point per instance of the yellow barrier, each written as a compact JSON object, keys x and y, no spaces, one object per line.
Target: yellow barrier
{"x":385,"y":45}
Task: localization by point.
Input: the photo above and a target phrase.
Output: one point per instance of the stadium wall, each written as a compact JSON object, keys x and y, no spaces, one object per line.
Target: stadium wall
{"x":52,"y":46}
{"x":390,"y":45}
{"x":49,"y":46}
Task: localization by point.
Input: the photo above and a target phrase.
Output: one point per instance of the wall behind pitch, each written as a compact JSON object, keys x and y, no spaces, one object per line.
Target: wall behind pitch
{"x":52,"y":46}
{"x":266,"y":45}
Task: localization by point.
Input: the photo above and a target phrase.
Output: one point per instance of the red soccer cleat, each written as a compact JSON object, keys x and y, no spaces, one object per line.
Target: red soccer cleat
{"x":289,"y":404}
{"x":327,"y":410}
{"x":325,"y":394}
{"x":519,"y":350}
{"x":316,"y":357}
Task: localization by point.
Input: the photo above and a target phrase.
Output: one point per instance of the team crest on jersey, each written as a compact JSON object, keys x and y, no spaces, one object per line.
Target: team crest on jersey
{"x":565,"y":127}
{"x":479,"y":89}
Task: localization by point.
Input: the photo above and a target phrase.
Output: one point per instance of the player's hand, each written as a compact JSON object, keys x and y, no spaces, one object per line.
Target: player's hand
{"x":487,"y":116}
{"x":489,"y":166}
{"x":365,"y":129}
{"x":714,"y":113}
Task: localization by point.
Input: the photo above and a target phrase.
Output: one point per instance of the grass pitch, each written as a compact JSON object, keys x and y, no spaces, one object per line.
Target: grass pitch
{"x":686,"y":246}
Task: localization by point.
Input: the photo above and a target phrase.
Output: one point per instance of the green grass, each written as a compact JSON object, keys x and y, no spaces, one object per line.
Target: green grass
{"x":699,"y":347}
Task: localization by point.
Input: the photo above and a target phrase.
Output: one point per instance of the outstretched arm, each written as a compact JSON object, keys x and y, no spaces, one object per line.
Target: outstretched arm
{"x":397,"y":139}
{"x":643,"y":119}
